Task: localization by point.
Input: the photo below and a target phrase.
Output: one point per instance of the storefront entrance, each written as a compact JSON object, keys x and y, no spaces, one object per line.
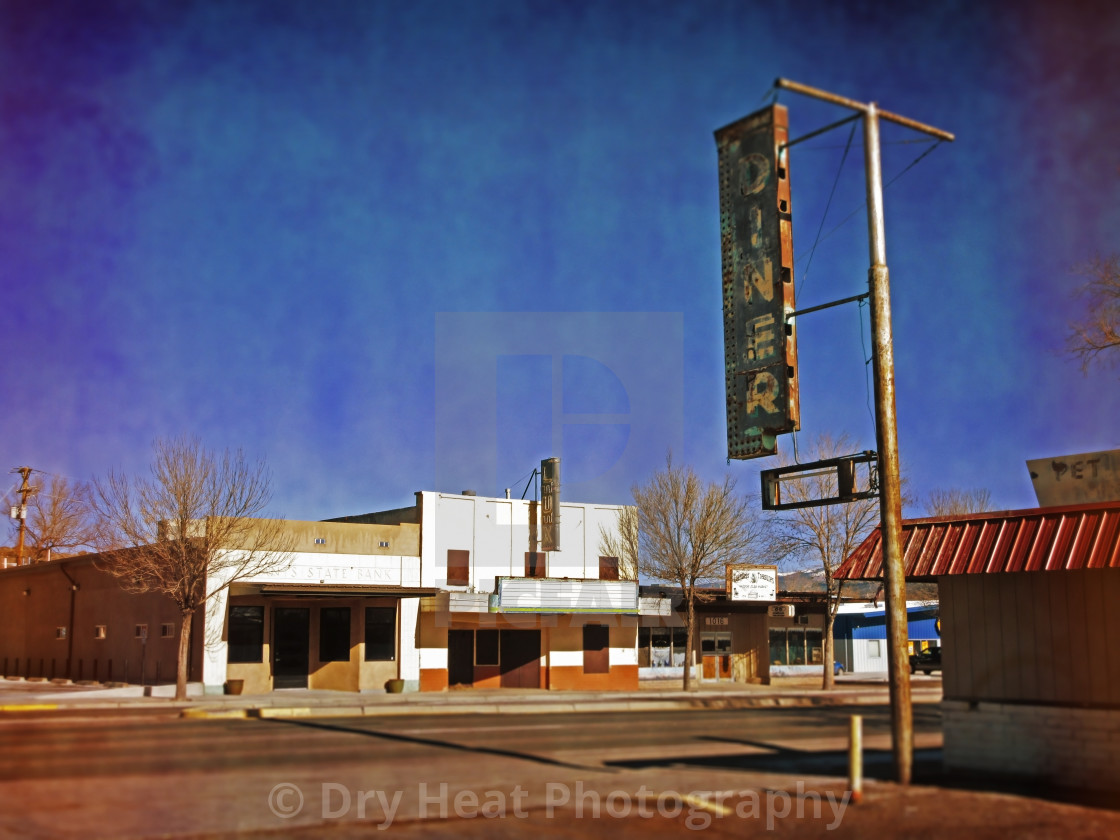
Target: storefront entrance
{"x":520,"y":658}
{"x":460,"y":657}
{"x":291,"y":632}
{"x":715,"y":649}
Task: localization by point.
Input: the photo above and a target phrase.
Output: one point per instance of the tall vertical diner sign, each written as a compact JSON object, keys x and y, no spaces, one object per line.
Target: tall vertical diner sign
{"x":760,"y":349}
{"x":550,"y":504}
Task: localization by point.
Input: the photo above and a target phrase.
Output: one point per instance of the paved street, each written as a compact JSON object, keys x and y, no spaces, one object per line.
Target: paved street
{"x":141,"y":771}
{"x":137,"y":773}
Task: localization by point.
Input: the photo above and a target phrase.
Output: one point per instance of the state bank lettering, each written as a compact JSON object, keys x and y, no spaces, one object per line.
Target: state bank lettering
{"x":343,"y":573}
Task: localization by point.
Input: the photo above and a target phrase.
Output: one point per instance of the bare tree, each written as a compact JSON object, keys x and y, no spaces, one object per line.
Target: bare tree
{"x":189,"y":530}
{"x":685,"y":531}
{"x":58,"y":519}
{"x":1096,"y":337}
{"x":956,"y":502}
{"x":828,"y":534}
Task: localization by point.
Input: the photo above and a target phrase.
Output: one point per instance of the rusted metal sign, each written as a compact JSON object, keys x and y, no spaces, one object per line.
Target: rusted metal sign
{"x":1076,"y":479}
{"x":760,"y":348}
{"x":550,"y":504}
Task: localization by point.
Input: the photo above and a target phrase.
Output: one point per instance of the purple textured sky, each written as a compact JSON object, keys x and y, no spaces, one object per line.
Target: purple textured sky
{"x":393,"y":246}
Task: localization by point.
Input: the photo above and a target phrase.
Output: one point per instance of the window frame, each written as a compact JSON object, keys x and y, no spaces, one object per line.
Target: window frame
{"x":485,"y":661}
{"x":609,"y":569}
{"x":536,"y":564}
{"x":459,"y":561}
{"x":234,"y":647}
{"x":380,"y":644}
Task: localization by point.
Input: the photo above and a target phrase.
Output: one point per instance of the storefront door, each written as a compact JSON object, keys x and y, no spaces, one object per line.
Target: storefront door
{"x":291,"y":631}
{"x":520,"y":658}
{"x":460,"y":657}
{"x":715,"y":648}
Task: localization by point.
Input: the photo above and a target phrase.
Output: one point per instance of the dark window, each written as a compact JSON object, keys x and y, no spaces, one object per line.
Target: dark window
{"x":334,"y":634}
{"x":608,"y":568}
{"x":246,"y":634}
{"x":534,"y":564}
{"x":486,"y":647}
{"x":381,"y":634}
{"x":778,"y":653}
{"x":680,"y":645}
{"x":643,"y":647}
{"x":814,"y":642}
{"x":458,"y":567}
{"x":596,"y":649}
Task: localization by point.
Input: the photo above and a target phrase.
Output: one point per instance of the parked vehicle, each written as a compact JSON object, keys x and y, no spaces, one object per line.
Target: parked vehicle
{"x":926,"y":661}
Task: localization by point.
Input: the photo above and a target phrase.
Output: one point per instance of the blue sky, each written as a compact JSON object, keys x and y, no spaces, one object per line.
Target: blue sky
{"x":393,"y":246}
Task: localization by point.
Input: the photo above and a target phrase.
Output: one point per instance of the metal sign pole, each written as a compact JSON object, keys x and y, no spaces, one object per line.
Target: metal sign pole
{"x":886,"y":425}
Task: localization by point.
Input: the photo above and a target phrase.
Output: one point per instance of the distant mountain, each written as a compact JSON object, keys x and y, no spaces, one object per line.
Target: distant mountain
{"x":812,"y":580}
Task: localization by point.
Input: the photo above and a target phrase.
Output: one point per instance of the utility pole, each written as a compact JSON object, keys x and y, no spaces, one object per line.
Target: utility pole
{"x":886,"y":425}
{"x":25,"y":490}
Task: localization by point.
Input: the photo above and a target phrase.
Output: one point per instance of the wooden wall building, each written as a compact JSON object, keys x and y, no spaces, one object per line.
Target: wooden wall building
{"x":1030,"y":637}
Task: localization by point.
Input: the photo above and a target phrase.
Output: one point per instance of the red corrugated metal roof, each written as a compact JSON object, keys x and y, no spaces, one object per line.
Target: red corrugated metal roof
{"x":1041,"y":539}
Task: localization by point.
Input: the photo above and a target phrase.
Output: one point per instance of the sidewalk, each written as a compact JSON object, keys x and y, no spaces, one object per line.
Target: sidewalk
{"x":21,"y":696}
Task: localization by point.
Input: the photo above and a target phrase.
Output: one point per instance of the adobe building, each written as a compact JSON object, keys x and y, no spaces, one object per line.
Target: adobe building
{"x":71,"y":619}
{"x":447,"y":592}
{"x":1031,"y":666}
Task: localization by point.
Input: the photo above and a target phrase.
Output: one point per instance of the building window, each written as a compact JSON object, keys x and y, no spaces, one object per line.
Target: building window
{"x":381,"y":634}
{"x":534,"y":564}
{"x":596,"y":649}
{"x":486,"y":647}
{"x":320,"y":541}
{"x":60,"y":632}
{"x":167,"y":630}
{"x":796,"y":646}
{"x":383,"y":544}
{"x":334,"y":634}
{"x":814,"y":646}
{"x":99,"y":631}
{"x":715,"y":643}
{"x":873,"y":651}
{"x":778,"y":653}
{"x":141,"y":632}
{"x":246,"y":634}
{"x":608,"y":568}
{"x":458,"y":567}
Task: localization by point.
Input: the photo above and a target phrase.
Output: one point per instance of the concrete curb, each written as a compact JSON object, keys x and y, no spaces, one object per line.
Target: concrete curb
{"x":271,"y":706}
{"x":525,"y":707}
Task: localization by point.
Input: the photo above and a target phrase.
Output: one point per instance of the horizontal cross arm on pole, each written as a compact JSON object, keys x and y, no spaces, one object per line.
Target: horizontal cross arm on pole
{"x":862,"y":107}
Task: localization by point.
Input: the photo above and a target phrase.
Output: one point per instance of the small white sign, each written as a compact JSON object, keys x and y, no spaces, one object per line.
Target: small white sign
{"x":752,"y":583}
{"x":780,"y":611}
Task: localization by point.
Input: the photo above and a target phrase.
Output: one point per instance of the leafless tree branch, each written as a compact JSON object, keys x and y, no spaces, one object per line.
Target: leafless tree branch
{"x":828,"y":534}
{"x":1095,"y":338}
{"x":190,"y":529}
{"x":957,"y":502}
{"x":685,"y":531}
{"x":59,"y":519}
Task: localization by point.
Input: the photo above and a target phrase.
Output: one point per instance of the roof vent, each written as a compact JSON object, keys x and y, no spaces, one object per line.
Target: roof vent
{"x":468,"y":493}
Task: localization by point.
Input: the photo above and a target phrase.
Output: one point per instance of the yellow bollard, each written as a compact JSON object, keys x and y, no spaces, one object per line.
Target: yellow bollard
{"x":855,"y":758}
